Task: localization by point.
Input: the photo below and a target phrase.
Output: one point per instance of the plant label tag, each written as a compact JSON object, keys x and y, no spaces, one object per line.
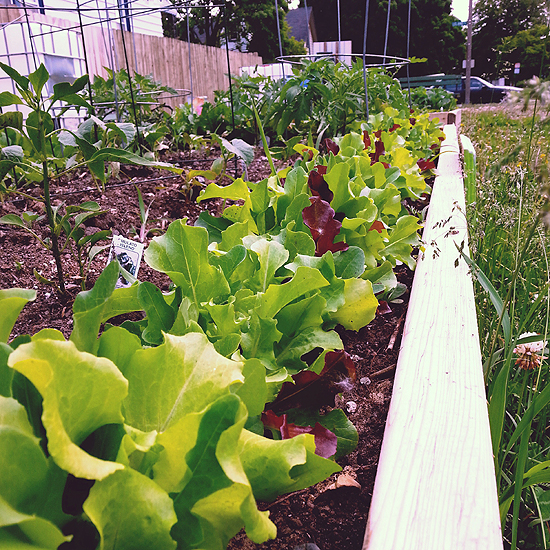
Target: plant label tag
{"x":128,"y":253}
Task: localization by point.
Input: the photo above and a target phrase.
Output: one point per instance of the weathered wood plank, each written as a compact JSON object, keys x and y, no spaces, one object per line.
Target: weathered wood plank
{"x":168,"y":60}
{"x":435,"y":487}
{"x":447,"y":117}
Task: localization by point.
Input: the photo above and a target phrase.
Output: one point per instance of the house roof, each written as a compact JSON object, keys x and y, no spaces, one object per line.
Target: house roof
{"x":298,"y":22}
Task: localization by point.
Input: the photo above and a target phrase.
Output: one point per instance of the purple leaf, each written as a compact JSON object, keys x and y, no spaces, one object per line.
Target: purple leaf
{"x":326,"y":441}
{"x":331,"y":146}
{"x":319,"y":217}
{"x":379,"y":150}
{"x":318,"y":186}
{"x":311,"y":390}
{"x":366,"y":139}
{"x":377,"y":225}
{"x":321,"y":169}
{"x":383,"y":308}
{"x":424,"y":164}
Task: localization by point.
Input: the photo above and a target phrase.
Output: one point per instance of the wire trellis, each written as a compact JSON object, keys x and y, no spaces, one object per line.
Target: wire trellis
{"x":125,"y":13}
{"x":107,"y":16}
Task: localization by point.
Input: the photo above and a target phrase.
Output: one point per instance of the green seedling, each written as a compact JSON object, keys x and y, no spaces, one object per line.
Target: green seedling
{"x":37,"y":134}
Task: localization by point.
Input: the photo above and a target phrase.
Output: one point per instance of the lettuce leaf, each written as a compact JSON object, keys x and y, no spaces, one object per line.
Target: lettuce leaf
{"x":131,"y":511}
{"x":80,"y":393}
{"x":182,"y":375}
{"x":12,"y":301}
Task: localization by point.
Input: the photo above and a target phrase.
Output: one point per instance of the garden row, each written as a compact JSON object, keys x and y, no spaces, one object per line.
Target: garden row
{"x":321,"y":98}
{"x":153,"y":432}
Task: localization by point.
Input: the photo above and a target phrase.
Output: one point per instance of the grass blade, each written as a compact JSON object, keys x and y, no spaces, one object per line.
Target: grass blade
{"x":493,"y":295}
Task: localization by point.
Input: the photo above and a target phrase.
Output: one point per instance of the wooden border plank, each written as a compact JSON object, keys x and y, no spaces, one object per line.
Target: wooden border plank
{"x":448,"y":117}
{"x":435,"y":487}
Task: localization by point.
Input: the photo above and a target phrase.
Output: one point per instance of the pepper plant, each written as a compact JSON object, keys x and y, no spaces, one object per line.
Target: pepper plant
{"x":36,"y":134}
{"x":116,"y":97}
{"x":39,"y":126}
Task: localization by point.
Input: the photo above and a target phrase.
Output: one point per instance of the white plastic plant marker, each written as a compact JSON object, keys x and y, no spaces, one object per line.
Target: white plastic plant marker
{"x":129,"y":254}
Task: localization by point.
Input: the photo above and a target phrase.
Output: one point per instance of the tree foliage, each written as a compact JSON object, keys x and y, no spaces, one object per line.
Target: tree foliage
{"x":529,"y":48}
{"x":250,"y":25}
{"x":496,"y":21}
{"x":432,"y":34}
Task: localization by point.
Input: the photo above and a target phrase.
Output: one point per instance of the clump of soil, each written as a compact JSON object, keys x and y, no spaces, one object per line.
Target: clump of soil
{"x":327,"y":515}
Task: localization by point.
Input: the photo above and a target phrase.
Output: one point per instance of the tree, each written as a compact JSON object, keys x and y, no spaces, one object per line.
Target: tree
{"x":251,"y":25}
{"x":529,"y":48}
{"x":497,"y":20}
{"x":260,"y":20}
{"x":432,"y":33}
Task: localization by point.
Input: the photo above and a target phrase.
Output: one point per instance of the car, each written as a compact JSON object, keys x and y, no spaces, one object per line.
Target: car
{"x":481,"y":91}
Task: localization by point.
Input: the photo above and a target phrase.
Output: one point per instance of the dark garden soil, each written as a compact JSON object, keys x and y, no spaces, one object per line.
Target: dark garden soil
{"x":333,"y":514}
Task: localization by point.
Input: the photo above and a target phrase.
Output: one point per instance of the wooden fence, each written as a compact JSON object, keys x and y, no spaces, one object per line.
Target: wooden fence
{"x":167,"y":59}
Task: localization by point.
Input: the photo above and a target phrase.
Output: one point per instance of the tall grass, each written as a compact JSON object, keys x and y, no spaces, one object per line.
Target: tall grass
{"x":510,"y":248}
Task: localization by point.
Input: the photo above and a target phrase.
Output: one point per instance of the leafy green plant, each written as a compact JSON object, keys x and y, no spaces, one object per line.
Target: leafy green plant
{"x":325,"y":97}
{"x":90,"y":136}
{"x":320,"y":97}
{"x":39,"y":128}
{"x":115,"y":97}
{"x":236,"y":149}
{"x":432,"y":99}
{"x":39,"y":125}
{"x":95,"y":142}
{"x":184,"y":129}
{"x":11,"y":157}
{"x":183,"y":124}
{"x":286,"y":150}
{"x":103,"y":429}
{"x":71,"y":225}
{"x":347,"y":200}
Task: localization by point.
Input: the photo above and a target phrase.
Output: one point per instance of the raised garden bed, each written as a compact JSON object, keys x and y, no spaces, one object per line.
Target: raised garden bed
{"x":339,"y":512}
{"x":331,"y":518}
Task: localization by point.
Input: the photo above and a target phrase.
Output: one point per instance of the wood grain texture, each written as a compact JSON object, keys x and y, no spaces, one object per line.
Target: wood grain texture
{"x":435,"y":487}
{"x":167,"y":59}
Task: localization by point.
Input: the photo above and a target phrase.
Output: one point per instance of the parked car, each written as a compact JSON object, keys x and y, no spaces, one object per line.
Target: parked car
{"x":481,"y":91}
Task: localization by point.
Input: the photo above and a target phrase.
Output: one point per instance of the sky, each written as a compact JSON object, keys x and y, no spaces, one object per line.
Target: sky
{"x":459,"y":8}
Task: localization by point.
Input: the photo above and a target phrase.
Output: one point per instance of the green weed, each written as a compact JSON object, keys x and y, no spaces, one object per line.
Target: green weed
{"x":510,"y":249}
